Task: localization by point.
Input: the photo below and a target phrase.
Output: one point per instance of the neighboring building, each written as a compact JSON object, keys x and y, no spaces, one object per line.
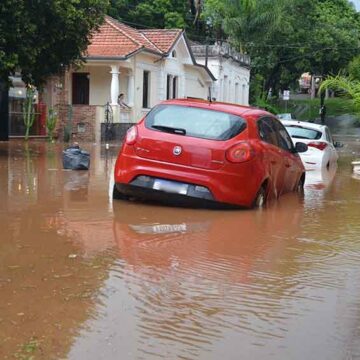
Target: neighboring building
{"x":17,"y":95}
{"x":147,"y":66}
{"x":231,"y":69}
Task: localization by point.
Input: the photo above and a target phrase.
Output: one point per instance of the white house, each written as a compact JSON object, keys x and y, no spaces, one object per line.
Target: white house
{"x":231,"y":69}
{"x":147,"y":66}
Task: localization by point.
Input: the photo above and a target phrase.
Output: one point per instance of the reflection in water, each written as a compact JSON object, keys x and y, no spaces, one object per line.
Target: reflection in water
{"x":87,"y":280}
{"x":46,"y":279}
{"x":321,"y":178}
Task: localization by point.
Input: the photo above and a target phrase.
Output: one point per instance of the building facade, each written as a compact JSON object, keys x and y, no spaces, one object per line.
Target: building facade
{"x":147,"y":66}
{"x":231,"y":69}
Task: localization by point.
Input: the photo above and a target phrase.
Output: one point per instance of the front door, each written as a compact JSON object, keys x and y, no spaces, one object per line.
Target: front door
{"x":291,"y":158}
{"x":273,"y":156}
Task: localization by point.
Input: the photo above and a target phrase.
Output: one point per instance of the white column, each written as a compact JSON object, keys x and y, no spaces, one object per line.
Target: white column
{"x":131,"y":89}
{"x":114,"y":91}
{"x":161,"y":93}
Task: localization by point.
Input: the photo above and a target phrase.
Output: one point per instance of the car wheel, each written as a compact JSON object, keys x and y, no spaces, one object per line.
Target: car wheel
{"x":260,"y":198}
{"x":300,"y":185}
{"x":117,"y":195}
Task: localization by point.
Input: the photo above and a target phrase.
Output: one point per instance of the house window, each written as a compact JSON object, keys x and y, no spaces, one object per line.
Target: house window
{"x":173,"y":54}
{"x":171,"y":87}
{"x":226,"y":88}
{"x":174,"y":87}
{"x":146,"y":89}
{"x":168,"y":87}
{"x":237,"y":93}
{"x":80,"y":88}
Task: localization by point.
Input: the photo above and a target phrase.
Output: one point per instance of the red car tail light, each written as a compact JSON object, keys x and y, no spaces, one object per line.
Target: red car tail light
{"x":240,"y":152}
{"x":131,"y":135}
{"x":318,"y":145}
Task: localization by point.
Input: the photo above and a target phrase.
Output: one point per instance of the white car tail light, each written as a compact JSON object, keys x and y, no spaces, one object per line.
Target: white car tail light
{"x":320,"y":145}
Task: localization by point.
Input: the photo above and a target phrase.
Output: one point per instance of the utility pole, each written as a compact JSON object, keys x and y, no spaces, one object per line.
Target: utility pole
{"x":312,"y":88}
{"x":322,"y":111}
{"x":4,"y":111}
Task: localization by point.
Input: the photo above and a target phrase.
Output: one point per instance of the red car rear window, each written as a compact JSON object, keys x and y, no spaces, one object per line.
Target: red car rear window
{"x":195,"y":122}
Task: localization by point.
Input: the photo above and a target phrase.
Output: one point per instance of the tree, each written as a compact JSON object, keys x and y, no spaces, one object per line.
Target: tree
{"x":354,"y":68}
{"x":151,"y":13}
{"x":347,"y":87}
{"x":40,"y":38}
{"x":161,"y":14}
{"x":286,"y":38}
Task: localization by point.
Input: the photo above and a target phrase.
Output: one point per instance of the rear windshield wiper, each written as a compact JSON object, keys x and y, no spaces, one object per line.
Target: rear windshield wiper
{"x":169,"y":129}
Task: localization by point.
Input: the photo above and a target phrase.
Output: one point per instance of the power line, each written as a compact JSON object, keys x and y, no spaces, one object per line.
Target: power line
{"x":253,"y":45}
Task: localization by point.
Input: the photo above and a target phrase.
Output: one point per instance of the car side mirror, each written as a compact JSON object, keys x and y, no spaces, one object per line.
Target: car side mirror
{"x":301,"y":147}
{"x":338,"y":144}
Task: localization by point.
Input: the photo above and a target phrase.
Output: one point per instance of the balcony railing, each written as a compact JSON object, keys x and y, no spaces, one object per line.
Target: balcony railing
{"x":220,"y":50}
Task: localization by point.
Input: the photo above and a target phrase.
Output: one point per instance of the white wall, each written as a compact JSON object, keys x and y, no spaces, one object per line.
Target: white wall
{"x":192,"y":81}
{"x":196,"y":86}
{"x":232,"y":80}
{"x":99,"y":80}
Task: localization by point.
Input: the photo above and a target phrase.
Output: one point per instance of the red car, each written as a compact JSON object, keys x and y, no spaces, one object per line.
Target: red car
{"x":194,"y":152}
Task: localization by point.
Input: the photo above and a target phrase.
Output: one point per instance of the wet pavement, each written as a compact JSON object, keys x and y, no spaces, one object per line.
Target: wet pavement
{"x":82,"y":277}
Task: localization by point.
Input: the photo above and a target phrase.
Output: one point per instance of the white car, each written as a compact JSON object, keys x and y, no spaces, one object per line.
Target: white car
{"x":321,"y":151}
{"x":285,"y":116}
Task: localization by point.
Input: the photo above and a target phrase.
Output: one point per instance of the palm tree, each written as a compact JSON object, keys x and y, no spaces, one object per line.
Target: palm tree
{"x":248,"y":16}
{"x":347,"y":87}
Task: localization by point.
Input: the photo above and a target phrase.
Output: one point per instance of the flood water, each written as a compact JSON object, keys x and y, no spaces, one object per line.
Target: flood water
{"x":82,"y":277}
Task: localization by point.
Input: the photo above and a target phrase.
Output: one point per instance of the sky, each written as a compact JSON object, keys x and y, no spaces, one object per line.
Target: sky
{"x":357,"y":4}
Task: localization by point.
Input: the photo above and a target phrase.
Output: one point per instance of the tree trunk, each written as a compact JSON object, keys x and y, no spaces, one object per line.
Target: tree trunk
{"x":271,"y":79}
{"x":4,"y":110}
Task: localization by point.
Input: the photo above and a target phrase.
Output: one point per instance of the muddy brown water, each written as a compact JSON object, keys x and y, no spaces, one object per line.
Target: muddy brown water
{"x":82,"y":277}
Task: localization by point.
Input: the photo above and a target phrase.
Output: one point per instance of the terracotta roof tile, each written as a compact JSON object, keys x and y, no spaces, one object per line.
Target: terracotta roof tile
{"x":108,"y":41}
{"x":164,"y":39}
{"x":132,"y":33}
{"x":119,"y":40}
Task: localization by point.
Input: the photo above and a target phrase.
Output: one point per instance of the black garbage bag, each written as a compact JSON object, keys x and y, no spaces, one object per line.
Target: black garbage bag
{"x":76,"y":159}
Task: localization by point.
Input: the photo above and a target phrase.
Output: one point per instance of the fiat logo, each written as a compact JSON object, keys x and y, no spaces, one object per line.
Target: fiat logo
{"x":177,"y":150}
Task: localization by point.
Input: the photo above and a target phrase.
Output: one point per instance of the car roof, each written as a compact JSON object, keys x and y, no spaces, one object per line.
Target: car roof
{"x":303,"y":124}
{"x":235,"y":109}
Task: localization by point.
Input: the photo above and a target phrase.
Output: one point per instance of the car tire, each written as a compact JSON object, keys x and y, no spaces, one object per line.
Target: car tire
{"x":300,"y":185}
{"x":260,"y":198}
{"x":117,"y":195}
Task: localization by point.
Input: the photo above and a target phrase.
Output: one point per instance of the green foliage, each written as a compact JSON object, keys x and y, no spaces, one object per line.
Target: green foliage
{"x":151,"y":13}
{"x":42,"y":37}
{"x":28,"y":110}
{"x":51,"y":121}
{"x":354,"y":68}
{"x":308,"y":109}
{"x":263,"y":103}
{"x":182,"y":14}
{"x":346,"y":86}
{"x":288,"y":37}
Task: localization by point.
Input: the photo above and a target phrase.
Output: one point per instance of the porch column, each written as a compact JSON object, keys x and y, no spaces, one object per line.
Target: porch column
{"x":131,"y":89}
{"x":114,"y":84}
